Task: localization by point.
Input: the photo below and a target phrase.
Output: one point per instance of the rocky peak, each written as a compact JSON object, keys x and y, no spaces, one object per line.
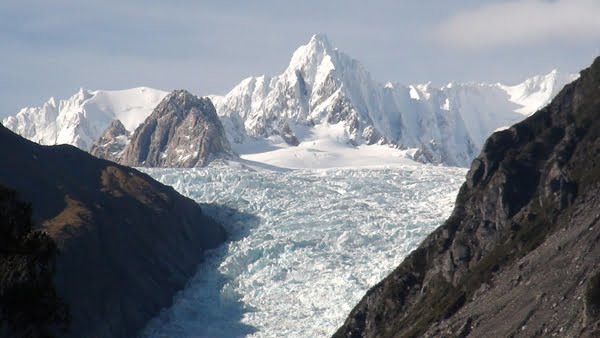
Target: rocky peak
{"x":182,"y":131}
{"x":115,"y":129}
{"x":181,"y":102}
{"x":522,"y":238}
{"x":112,"y":142}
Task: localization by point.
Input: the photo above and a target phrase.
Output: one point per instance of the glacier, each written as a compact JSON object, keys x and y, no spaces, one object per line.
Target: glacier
{"x":306,"y":244}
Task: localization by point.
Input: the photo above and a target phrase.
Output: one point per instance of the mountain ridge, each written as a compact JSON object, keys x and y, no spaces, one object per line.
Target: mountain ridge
{"x":320,"y":86}
{"x":81,"y":119}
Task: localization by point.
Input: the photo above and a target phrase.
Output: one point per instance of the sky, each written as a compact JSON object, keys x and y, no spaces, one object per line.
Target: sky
{"x":52,"y":48}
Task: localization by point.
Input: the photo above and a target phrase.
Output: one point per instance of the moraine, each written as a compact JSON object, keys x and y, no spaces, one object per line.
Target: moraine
{"x":307,"y":244}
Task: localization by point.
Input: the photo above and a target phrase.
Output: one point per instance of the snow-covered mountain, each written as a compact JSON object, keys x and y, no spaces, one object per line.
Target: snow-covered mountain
{"x":81,"y":119}
{"x":324,"y":86}
{"x":323,"y":97}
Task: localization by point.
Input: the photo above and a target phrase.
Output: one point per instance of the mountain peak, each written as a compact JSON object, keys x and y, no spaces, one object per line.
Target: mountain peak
{"x":180,"y":94}
{"x":181,"y":121}
{"x":83,"y":93}
{"x":184,"y":101}
{"x":320,"y":39}
{"x":52,"y":101}
{"x":311,"y":55}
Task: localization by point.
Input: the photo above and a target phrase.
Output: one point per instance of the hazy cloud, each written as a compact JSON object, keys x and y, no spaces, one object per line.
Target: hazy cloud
{"x":521,"y":22}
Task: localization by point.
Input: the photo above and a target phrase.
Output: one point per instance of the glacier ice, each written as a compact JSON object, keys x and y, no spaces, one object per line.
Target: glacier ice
{"x":306,"y":245}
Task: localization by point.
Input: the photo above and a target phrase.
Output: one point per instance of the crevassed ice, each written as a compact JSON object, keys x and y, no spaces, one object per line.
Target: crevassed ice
{"x":306,"y":245}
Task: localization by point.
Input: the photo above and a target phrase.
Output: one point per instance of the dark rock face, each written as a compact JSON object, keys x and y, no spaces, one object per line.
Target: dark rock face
{"x":127,"y":243}
{"x":112,"y":143}
{"x":182,"y":131}
{"x":519,"y":254}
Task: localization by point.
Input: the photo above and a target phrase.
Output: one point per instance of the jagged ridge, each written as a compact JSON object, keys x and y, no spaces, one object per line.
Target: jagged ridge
{"x":325,"y":86}
{"x":81,"y":119}
{"x":321,"y":85}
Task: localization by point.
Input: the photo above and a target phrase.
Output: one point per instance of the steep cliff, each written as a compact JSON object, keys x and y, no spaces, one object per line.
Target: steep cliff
{"x":127,"y":243}
{"x":182,"y":131}
{"x":519,"y":256}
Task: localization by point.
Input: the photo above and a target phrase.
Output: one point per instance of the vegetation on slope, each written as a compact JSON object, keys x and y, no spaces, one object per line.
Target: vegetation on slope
{"x":29,"y":305}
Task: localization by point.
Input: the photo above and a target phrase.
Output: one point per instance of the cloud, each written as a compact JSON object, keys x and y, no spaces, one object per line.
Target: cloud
{"x":521,"y":22}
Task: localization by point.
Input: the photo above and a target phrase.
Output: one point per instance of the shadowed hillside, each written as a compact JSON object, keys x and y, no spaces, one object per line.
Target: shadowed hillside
{"x":29,"y":306}
{"x":127,"y":243}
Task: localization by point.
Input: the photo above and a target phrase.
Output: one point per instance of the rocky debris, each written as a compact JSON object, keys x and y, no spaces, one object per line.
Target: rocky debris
{"x":112,"y":143}
{"x":127,"y":243}
{"x":519,"y":255}
{"x":182,"y":131}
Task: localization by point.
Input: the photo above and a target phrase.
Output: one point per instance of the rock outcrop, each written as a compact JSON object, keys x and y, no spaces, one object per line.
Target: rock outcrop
{"x":112,"y":143}
{"x":127,"y":243}
{"x":182,"y":131}
{"x":519,"y":256}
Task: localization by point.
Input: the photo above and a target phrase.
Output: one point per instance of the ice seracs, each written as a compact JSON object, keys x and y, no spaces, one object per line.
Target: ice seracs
{"x":314,"y":241}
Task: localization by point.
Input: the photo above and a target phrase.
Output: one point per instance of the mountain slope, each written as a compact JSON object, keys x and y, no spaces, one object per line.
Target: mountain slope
{"x":81,"y":119}
{"x":127,"y":243}
{"x":519,"y":254}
